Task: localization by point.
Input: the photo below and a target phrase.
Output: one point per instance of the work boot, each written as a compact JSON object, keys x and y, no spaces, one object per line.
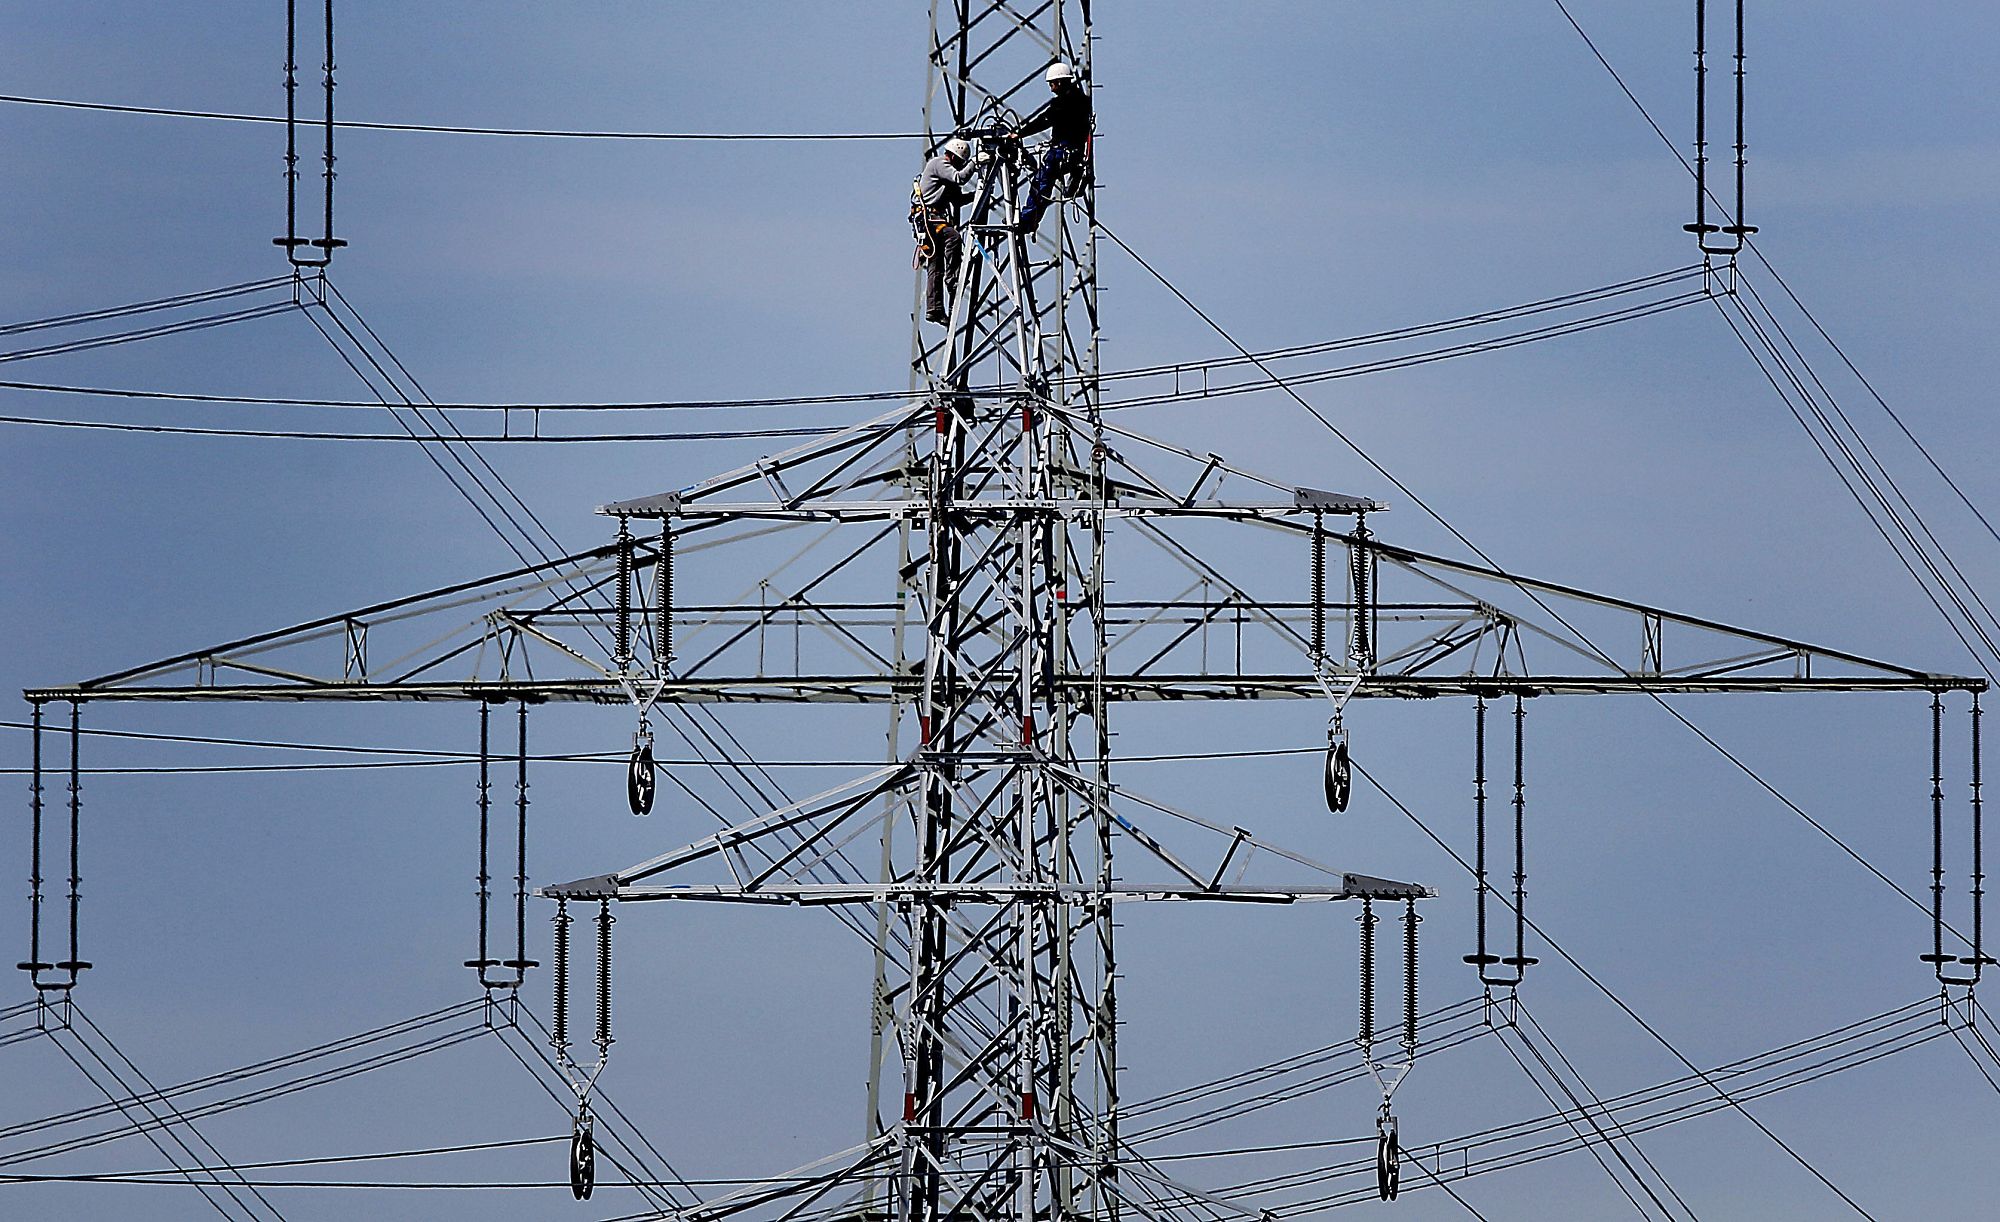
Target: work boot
{"x":936,"y":316}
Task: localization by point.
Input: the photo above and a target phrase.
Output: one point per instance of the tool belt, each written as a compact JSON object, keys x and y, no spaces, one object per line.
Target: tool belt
{"x":926,"y":224}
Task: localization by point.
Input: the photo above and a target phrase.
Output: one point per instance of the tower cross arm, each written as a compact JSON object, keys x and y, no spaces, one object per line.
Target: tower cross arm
{"x":916,"y":894}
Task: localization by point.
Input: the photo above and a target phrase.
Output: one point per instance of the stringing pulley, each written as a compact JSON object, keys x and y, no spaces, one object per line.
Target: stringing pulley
{"x":1339,"y":769}
{"x":1388,"y":1156}
{"x":582,"y":1157}
{"x":639,"y":780}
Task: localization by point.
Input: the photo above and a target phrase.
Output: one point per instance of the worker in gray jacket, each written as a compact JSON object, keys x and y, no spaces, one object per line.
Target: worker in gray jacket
{"x":941,"y":190}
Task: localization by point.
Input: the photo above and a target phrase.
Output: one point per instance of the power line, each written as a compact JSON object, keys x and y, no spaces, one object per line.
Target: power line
{"x":549,"y":133}
{"x":1175,"y":369}
{"x":1880,"y":468}
{"x":1577,"y":1109}
{"x":1514,"y":580}
{"x":1772,"y":268}
{"x":329,"y":1048}
{"x":176,"y":1115}
{"x":1205,"y":392}
{"x":1873,"y":393}
{"x":435,"y":461}
{"x":1822,"y":1054}
{"x":1620,"y":1002}
{"x":175,"y":301}
{"x":186,"y":1177}
{"x":1869,"y":510}
{"x":1448,"y":1189}
{"x":429,"y":758}
{"x":321,"y":1161}
{"x":1615,"y":1122}
{"x":650,"y":405}
{"x":202,"y":323}
{"x":472,"y":439}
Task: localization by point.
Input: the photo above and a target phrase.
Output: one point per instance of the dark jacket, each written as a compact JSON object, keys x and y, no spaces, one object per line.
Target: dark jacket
{"x":1065,"y":116}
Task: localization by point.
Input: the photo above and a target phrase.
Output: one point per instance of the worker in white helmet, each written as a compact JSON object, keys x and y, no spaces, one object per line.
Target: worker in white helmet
{"x":1066,"y":117}
{"x":940,"y":191}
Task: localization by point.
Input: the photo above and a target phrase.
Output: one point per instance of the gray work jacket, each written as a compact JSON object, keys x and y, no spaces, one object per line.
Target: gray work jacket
{"x":942,"y":186}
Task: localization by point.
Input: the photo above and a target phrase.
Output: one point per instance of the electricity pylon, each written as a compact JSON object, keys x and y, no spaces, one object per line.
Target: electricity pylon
{"x":995,"y":964}
{"x":988,"y":503}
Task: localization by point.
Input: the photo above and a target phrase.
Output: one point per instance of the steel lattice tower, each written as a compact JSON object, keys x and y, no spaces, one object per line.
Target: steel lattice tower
{"x":984,"y":502}
{"x":1010,"y":1113}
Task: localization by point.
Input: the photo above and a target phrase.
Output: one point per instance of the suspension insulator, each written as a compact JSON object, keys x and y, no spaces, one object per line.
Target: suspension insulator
{"x":1388,"y":1158}
{"x":1339,"y":771}
{"x":1361,"y":569}
{"x":622,"y":633}
{"x":485,"y":876}
{"x":559,"y":1027}
{"x":1481,"y":957}
{"x":582,"y":1157}
{"x":1367,"y":919}
{"x":1410,"y":922}
{"x":639,"y":781}
{"x":1318,"y":589}
{"x":1979,"y":959}
{"x":34,"y":965}
{"x":1520,"y":960}
{"x":663,"y":595}
{"x":604,"y":922}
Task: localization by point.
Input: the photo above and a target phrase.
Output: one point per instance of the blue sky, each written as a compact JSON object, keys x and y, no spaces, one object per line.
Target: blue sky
{"x":1303,"y":171}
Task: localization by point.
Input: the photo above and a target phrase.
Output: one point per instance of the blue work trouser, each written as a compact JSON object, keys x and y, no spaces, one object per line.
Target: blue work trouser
{"x":1057,"y":160}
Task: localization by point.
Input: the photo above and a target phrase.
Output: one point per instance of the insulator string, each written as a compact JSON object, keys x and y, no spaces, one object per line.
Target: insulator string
{"x":520,"y":962}
{"x":1979,"y":956}
{"x":1411,"y":919}
{"x":1481,"y":956}
{"x":604,"y":923}
{"x":1318,"y":588}
{"x":1520,"y":842}
{"x":75,"y":962}
{"x":622,"y":635}
{"x":1937,"y":830}
{"x":485,"y":820}
{"x":663,"y":592}
{"x":34,"y":964}
{"x":1367,"y":919}
{"x":559,"y":1026}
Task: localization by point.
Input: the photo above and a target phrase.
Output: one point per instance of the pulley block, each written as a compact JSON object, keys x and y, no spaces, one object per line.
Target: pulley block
{"x":582,"y":1158}
{"x":1339,"y":771}
{"x":639,"y":780}
{"x":1388,"y":1158}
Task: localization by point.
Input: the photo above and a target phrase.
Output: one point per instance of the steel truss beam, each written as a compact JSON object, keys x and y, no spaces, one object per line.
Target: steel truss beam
{"x":526,"y":628}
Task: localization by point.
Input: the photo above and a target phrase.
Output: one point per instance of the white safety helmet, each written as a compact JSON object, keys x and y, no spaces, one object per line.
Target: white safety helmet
{"x":957,"y":147}
{"x":1059,"y":71}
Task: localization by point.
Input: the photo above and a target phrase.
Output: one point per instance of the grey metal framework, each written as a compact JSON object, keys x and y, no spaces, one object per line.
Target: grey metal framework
{"x":989,"y":502}
{"x":1212,"y":630}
